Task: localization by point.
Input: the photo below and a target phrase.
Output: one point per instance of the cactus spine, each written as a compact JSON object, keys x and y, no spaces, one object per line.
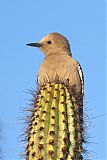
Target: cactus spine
{"x":55,"y":131}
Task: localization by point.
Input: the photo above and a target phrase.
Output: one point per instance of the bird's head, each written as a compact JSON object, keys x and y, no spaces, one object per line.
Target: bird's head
{"x":53,"y":43}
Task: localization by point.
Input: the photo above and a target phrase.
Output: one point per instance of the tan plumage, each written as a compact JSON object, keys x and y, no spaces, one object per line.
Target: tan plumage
{"x":58,"y":62}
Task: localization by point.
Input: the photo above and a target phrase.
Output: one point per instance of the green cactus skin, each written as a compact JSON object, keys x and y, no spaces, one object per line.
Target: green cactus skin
{"x":56,"y":125}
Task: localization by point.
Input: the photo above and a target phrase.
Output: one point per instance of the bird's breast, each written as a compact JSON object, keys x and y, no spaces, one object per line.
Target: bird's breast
{"x":53,"y":66}
{"x":60,"y":67}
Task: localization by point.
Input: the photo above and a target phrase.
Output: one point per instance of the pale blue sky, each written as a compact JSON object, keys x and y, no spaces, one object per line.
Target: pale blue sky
{"x":83,"y":23}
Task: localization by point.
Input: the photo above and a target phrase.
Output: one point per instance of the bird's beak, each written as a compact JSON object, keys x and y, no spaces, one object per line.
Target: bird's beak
{"x":34,"y":45}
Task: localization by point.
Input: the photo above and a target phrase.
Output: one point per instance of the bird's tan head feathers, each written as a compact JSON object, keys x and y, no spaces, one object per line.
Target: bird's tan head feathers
{"x":53,"y":43}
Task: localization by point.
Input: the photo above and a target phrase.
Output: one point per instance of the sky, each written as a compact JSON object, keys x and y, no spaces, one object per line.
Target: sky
{"x":83,"y":23}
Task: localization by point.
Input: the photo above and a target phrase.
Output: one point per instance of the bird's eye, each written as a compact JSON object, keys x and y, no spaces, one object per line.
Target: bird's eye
{"x":49,"y":42}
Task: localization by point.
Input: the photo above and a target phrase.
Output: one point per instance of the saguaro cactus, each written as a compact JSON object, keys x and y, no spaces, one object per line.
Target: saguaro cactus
{"x":55,"y":131}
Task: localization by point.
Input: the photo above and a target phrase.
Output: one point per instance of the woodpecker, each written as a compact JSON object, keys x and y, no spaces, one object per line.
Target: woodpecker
{"x":59,"y":62}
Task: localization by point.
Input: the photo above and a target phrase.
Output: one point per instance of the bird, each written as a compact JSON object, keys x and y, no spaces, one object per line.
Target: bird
{"x":59,"y":62}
